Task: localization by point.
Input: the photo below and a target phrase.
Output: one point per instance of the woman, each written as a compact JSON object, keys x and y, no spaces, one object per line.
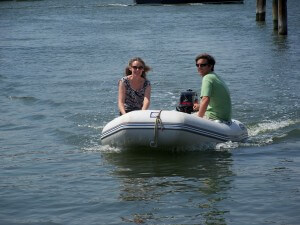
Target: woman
{"x":134,"y":88}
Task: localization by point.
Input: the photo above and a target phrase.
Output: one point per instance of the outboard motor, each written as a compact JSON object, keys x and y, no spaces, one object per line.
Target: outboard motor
{"x":186,"y":101}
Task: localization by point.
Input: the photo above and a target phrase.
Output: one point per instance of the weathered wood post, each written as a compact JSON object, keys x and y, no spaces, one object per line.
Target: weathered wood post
{"x":260,"y":10}
{"x":275,"y":14}
{"x":282,"y":17}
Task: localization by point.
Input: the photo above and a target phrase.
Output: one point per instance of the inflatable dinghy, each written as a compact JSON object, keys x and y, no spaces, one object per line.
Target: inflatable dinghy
{"x":159,"y":128}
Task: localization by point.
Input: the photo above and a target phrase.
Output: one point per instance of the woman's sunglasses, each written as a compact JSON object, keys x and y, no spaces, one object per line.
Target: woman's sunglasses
{"x":137,"y":67}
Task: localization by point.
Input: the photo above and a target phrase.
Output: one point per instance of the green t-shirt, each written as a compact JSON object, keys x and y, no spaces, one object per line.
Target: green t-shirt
{"x":219,"y":107}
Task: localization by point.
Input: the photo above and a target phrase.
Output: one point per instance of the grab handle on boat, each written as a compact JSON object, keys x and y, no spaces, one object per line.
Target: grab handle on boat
{"x":158,"y":122}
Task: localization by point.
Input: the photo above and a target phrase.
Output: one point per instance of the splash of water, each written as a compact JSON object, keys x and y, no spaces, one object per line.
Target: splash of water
{"x":101,"y":148}
{"x":269,"y":126}
{"x":264,"y":133}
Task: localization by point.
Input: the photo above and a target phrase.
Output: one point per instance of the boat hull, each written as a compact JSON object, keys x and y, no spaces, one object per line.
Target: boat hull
{"x":152,"y":128}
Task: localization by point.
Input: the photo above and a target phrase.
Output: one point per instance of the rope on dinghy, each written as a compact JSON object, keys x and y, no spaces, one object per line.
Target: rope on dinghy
{"x":158,"y":122}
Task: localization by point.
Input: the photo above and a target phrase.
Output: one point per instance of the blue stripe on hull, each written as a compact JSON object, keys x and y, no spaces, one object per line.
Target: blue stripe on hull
{"x":166,"y":126}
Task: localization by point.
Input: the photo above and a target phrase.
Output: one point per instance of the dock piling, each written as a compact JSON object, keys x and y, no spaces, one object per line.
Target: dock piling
{"x":282,"y":17}
{"x":260,"y":10}
{"x":275,"y":14}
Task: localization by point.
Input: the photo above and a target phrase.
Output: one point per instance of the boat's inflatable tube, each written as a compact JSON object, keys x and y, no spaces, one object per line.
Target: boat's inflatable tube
{"x":155,"y":128}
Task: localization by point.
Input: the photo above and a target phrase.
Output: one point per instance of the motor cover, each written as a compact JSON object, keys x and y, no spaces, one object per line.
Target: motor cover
{"x":187,"y":100}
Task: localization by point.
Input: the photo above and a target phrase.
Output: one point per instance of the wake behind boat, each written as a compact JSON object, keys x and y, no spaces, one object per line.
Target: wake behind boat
{"x":155,"y":128}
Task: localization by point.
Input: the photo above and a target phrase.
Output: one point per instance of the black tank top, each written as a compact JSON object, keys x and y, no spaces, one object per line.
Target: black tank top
{"x":134,"y":98}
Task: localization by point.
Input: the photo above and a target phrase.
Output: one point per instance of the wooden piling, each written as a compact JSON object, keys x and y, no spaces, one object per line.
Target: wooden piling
{"x":275,"y":14}
{"x":260,"y":10}
{"x":282,"y":17}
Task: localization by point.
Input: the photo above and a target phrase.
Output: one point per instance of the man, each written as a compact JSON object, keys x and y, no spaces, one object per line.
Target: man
{"x":215,"y":97}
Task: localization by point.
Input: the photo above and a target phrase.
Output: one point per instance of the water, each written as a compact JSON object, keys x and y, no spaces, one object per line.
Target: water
{"x":60,"y":64}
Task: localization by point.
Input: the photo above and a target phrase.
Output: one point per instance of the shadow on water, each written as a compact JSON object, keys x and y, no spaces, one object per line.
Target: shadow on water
{"x":195,"y":181}
{"x":141,"y":163}
{"x":280,"y":41}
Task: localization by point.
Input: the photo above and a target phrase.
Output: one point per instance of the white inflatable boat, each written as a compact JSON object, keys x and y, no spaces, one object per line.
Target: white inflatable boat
{"x":156,"y":128}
